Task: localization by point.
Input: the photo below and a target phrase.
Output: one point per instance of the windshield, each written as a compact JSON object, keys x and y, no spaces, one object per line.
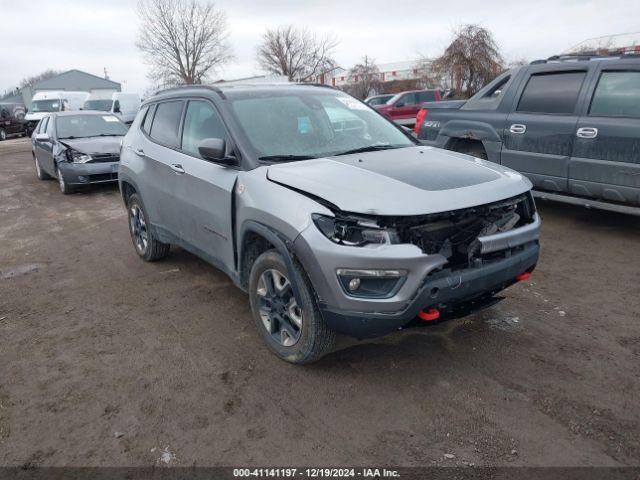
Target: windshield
{"x":100,"y":105}
{"x":82,"y":126}
{"x":319,"y":124}
{"x":45,"y":105}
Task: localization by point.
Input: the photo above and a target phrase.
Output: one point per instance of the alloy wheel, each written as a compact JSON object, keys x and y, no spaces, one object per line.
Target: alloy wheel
{"x":138,"y":228}
{"x":279,"y":311}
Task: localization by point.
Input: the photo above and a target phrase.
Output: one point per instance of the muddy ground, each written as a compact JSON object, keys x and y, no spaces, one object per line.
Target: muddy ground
{"x":106,"y":360}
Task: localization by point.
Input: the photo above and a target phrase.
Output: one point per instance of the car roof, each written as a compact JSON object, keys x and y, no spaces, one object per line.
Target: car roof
{"x":71,"y":113}
{"x":224,"y":91}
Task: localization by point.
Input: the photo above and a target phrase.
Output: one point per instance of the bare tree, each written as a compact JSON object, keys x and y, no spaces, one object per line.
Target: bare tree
{"x":364,"y":79}
{"x":296,"y":53}
{"x":31,"y":81}
{"x":183,"y":41}
{"x":471,"y":60}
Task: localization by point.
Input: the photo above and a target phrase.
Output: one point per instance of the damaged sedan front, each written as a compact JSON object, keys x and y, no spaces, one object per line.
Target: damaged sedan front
{"x":78,"y":148}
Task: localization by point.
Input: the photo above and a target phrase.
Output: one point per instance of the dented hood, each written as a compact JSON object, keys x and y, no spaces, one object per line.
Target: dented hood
{"x":94,"y":145}
{"x":406,"y":181}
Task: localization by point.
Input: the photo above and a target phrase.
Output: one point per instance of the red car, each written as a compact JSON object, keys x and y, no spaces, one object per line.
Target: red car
{"x":404,"y":106}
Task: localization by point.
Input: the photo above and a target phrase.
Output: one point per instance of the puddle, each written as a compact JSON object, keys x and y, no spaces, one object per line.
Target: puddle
{"x":18,"y":270}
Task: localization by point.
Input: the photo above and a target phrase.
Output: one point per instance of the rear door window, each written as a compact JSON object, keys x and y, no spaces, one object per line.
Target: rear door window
{"x":201,"y":121}
{"x":428,"y":96}
{"x":617,"y":95}
{"x":166,"y":123}
{"x":555,"y":93}
{"x":408,"y":99}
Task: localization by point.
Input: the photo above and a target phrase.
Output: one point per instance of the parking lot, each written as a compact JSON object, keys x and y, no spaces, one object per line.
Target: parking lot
{"x":107,"y":360}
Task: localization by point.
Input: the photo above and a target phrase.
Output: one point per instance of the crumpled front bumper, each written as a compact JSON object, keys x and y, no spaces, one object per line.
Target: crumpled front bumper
{"x":426,"y":284}
{"x":89,"y":173}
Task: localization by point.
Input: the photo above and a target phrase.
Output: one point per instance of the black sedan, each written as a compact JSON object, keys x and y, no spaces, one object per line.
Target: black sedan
{"x":77,"y":148}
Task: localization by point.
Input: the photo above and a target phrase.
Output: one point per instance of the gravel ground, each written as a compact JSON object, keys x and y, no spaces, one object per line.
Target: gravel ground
{"x":106,"y":360}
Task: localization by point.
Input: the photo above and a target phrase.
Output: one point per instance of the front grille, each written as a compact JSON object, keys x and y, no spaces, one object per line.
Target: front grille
{"x":103,"y":177}
{"x":455,"y":234}
{"x":104,"y":157}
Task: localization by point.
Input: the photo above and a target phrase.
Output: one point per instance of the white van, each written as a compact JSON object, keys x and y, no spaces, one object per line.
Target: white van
{"x":125,"y":106}
{"x":52,"y":101}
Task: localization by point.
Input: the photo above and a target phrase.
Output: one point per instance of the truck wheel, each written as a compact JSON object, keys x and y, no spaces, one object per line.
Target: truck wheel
{"x":296,"y":333}
{"x":476,"y":150}
{"x":147,"y":246}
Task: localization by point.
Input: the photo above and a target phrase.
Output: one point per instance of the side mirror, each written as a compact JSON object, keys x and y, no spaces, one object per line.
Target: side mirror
{"x":42,"y":137}
{"x":214,"y":150}
{"x":116,"y":107}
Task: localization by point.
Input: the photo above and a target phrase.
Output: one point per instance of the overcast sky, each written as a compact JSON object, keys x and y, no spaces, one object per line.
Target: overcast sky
{"x":91,"y":35}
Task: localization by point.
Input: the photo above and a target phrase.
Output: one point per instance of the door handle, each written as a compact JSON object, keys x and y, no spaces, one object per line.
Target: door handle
{"x":518,"y":128}
{"x":587,"y":132}
{"x":139,"y":152}
{"x":176,"y":167}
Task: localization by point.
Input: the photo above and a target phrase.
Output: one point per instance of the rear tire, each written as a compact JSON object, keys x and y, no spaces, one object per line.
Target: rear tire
{"x":147,"y":246}
{"x":295,"y":333}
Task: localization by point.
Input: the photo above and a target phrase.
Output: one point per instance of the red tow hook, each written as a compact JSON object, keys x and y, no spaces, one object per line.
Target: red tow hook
{"x":430,"y":315}
{"x":523,"y":276}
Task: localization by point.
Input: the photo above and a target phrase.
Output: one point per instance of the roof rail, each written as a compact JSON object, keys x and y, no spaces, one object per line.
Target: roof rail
{"x":585,"y":56}
{"x":185,"y":86}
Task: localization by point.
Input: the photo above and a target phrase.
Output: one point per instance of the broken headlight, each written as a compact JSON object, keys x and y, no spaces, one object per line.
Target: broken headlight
{"x":353,"y":231}
{"x":77,"y":157}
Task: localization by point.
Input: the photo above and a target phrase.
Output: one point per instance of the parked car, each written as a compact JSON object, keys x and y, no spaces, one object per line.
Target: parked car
{"x":378,"y":99}
{"x":356,"y":231}
{"x":77,"y":148}
{"x":404,"y":106}
{"x":52,"y":101}
{"x":122,"y":105}
{"x":570,"y":124}
{"x":12,"y":121}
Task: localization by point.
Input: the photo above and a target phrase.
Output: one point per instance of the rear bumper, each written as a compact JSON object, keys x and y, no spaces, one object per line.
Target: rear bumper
{"x":445,"y":290}
{"x":89,"y":173}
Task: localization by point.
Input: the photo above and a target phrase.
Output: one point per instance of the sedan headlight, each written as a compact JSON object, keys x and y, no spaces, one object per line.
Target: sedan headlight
{"x":78,"y":157}
{"x":353,"y":231}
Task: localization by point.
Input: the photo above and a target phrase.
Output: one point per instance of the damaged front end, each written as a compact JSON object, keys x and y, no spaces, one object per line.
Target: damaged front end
{"x":465,"y":238}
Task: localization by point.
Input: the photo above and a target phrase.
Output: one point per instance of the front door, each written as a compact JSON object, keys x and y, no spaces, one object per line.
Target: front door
{"x":606,"y":157}
{"x":539,"y":133}
{"x":205,"y":190}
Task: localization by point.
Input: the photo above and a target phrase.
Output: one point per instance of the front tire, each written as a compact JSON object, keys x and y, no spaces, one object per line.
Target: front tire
{"x":65,"y":188}
{"x":296,"y":333}
{"x":147,"y":246}
{"x":3,"y":134}
{"x":41,"y":174}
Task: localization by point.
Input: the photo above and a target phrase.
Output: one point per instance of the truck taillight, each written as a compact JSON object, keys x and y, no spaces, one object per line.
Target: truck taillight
{"x":419,"y":119}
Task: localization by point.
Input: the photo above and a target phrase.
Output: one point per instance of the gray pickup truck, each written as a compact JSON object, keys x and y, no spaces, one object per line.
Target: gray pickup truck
{"x":570,"y":124}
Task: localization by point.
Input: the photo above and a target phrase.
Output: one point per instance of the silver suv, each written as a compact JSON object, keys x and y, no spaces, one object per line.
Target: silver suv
{"x":333,"y":219}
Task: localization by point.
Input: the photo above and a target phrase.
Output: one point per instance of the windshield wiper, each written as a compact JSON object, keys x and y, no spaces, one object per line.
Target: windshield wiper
{"x":280,"y":158}
{"x":369,"y":148}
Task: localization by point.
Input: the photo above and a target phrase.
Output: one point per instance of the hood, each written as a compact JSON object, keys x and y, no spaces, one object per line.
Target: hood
{"x":94,"y":144}
{"x":406,"y":181}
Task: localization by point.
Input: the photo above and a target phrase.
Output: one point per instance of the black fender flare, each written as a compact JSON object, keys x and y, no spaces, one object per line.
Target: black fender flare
{"x":127,"y":179}
{"x":470,"y":130}
{"x":282,"y":244}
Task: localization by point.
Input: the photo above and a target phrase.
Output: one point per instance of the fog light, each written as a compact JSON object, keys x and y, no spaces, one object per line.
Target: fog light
{"x":83,"y":178}
{"x":371,"y":283}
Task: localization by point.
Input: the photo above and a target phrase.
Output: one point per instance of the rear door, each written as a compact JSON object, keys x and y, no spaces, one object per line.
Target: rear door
{"x":161,"y":175}
{"x":606,"y":156}
{"x":205,"y":189}
{"x":539,"y":133}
